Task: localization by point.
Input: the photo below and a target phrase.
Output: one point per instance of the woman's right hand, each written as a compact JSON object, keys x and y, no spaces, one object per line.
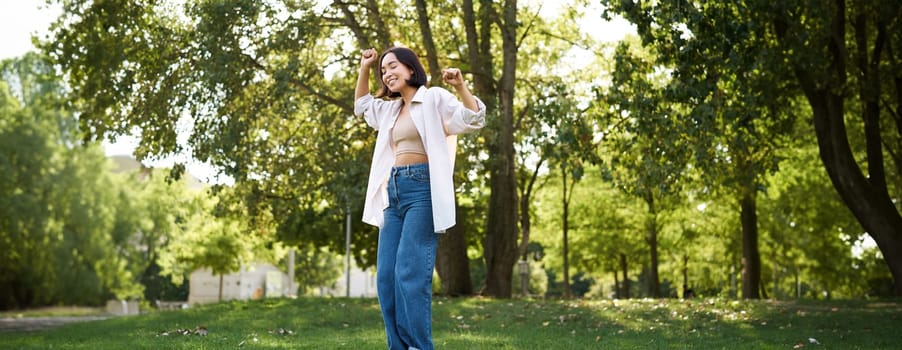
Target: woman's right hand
{"x":368,"y":58}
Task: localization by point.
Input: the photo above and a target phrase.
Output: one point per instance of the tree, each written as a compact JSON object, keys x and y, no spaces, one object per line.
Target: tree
{"x":500,"y":244}
{"x":648,"y":152}
{"x":25,"y":150}
{"x":567,"y":143}
{"x":859,"y":63}
{"x":259,"y":90}
{"x":222,"y":244}
{"x":808,"y":232}
{"x":551,"y":130}
{"x":842,"y":57}
{"x":316,"y":267}
{"x":603,"y":225}
{"x":150,"y":208}
{"x":58,"y":199}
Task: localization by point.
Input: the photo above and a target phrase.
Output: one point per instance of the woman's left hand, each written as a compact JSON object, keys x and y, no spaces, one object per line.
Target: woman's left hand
{"x":453,"y":77}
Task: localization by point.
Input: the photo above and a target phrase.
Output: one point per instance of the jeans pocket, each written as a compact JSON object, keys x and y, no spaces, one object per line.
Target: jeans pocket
{"x":420,"y":176}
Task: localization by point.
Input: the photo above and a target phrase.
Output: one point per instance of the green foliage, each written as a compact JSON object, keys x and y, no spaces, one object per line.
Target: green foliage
{"x":260,"y":90}
{"x":247,"y":79}
{"x":703,"y":231}
{"x":603,"y":225}
{"x":646,"y":148}
{"x":75,"y":232}
{"x":316,"y":267}
{"x":808,"y":232}
{"x":57,"y":198}
{"x":205,"y":241}
{"x":741,"y":68}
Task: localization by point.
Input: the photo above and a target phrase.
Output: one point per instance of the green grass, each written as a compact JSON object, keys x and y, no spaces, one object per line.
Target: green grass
{"x":477,"y":323}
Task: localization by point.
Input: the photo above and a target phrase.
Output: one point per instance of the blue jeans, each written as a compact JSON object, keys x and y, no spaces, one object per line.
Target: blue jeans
{"x":406,"y":259}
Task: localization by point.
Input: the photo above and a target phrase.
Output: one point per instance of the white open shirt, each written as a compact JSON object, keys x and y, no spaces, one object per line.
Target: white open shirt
{"x":438,"y":116}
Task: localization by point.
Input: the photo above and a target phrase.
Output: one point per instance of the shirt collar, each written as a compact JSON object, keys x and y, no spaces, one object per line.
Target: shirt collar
{"x":420,"y":95}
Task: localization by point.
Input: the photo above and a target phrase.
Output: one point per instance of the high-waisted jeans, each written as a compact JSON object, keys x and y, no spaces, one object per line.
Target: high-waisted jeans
{"x":406,"y":259}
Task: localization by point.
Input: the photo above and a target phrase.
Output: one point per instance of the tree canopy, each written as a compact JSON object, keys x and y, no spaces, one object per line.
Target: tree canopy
{"x":703,"y":145}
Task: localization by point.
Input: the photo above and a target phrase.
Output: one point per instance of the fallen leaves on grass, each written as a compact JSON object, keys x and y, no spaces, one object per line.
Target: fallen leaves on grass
{"x":811,"y":341}
{"x":281,"y":331}
{"x":252,"y":338}
{"x":199,"y":330}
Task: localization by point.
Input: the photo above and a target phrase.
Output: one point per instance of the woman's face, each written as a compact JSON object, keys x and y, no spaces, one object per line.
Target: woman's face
{"x":394,"y":73}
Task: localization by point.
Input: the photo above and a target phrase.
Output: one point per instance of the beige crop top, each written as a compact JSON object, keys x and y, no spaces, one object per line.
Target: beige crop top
{"x":405,"y":137}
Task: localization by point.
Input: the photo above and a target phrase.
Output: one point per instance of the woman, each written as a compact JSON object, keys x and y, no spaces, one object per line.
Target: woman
{"x":410,"y":195}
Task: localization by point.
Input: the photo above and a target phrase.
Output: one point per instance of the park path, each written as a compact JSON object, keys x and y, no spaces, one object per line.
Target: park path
{"x":31,"y":324}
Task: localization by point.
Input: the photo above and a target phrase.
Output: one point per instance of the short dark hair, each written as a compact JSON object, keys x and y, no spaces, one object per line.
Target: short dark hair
{"x":408,"y":58}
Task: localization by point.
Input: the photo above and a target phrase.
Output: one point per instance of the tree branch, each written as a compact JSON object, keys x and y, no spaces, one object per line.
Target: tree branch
{"x":353,"y":24}
{"x":532,"y":22}
{"x":428,"y":43}
{"x":869,"y":92}
{"x":573,"y":43}
{"x":381,"y":30}
{"x":348,"y":108}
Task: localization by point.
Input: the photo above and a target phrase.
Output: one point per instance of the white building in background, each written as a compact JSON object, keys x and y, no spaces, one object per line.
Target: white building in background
{"x":363,"y":284}
{"x":251,"y":282}
{"x":260,"y":280}
{"x":263,"y":280}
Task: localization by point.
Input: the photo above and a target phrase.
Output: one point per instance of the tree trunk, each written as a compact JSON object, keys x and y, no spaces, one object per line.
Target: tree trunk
{"x":525,"y":199}
{"x":525,"y":225}
{"x":616,"y":285}
{"x":382,"y":32}
{"x":751,"y":260}
{"x":651,"y":238}
{"x":872,"y":206}
{"x":220,"y":286}
{"x":685,"y":275}
{"x":776,"y":277}
{"x":568,"y":290}
{"x":292,"y":285}
{"x":452,"y":264}
{"x":866,"y":196}
{"x":500,"y":242}
{"x":732,"y":280}
{"x":626,"y":277}
{"x":451,"y":261}
{"x":435,"y":71}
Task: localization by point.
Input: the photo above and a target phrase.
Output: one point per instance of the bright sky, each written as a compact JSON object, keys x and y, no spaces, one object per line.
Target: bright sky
{"x":19,"y":20}
{"x":22,"y":19}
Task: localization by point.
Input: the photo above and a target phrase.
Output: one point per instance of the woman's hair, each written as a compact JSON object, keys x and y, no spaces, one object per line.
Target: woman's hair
{"x":408,"y":58}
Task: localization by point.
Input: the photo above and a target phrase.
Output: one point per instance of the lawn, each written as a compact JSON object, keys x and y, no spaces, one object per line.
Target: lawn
{"x":479,"y":323}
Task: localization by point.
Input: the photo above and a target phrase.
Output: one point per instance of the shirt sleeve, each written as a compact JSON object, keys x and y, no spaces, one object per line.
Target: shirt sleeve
{"x":370,"y":109}
{"x":457,"y":118}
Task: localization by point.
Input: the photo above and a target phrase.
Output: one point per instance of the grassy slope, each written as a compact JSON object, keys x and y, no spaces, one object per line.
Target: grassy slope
{"x":495,"y":324}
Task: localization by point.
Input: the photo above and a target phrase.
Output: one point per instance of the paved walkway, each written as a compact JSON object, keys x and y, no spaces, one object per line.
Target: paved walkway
{"x":30,"y":324}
